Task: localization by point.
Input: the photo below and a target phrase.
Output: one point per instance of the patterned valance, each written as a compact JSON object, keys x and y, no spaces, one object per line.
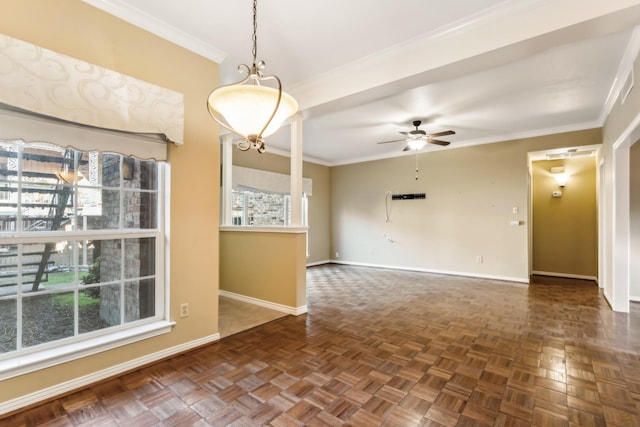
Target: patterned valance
{"x":41,"y":81}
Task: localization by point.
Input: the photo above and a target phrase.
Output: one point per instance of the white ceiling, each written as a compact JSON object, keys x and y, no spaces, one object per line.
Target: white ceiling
{"x":362,"y":70}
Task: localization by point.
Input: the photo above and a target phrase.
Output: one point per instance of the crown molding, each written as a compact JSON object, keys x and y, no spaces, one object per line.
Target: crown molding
{"x":134,"y":16}
{"x":534,"y":133}
{"x":482,"y":141}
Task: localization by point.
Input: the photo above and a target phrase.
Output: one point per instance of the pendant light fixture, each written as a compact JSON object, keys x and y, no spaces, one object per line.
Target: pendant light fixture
{"x":248,"y":108}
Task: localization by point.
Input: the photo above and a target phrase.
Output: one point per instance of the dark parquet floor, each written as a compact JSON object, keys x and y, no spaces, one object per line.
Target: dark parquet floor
{"x":393,"y":348}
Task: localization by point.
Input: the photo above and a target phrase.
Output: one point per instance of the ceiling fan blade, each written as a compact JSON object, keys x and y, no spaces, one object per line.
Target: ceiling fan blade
{"x":405,"y":133}
{"x":446,"y":132}
{"x":395,"y":140}
{"x":438,"y":142}
{"x":406,"y":148}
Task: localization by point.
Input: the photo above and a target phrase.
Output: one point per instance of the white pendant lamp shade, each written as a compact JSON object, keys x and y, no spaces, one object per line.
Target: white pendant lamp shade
{"x":247,"y":108}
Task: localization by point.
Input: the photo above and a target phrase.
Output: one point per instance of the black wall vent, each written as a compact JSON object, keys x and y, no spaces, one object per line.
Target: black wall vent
{"x":408,"y":196}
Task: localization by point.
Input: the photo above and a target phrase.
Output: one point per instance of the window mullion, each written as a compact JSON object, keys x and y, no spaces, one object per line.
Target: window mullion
{"x":18,"y":226}
{"x":76,"y":292}
{"x":18,"y":229}
{"x":121,"y":187}
{"x":19,"y":300}
{"x":74,"y":192}
{"x":122,"y":277}
{"x":245,"y":208}
{"x":123,"y":257}
{"x":161,"y":270}
{"x":66,"y":235}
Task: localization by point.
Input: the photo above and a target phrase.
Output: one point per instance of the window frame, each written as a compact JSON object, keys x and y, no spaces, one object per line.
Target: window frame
{"x":40,"y":356}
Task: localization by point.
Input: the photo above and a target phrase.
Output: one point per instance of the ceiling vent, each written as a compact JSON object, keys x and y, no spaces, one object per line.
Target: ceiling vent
{"x":626,"y":87}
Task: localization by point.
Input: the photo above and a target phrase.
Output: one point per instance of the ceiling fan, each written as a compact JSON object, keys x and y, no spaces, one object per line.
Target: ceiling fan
{"x":417,"y":138}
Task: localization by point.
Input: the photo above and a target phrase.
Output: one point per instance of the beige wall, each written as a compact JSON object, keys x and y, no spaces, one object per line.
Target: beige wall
{"x":271,"y":266}
{"x":319,"y":202}
{"x":471,"y":193}
{"x":319,"y":212}
{"x":565,"y":237}
{"x":76,"y":29}
{"x":266,"y":266}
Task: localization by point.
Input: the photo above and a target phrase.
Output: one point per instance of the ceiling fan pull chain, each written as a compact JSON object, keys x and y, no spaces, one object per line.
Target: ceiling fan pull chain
{"x":417,"y":169}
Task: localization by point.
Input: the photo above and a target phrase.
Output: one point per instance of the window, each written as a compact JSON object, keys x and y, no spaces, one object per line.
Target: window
{"x":262,"y":208}
{"x":81,"y":246}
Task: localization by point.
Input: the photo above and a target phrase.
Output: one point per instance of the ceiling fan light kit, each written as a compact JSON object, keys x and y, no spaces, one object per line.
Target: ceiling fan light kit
{"x":248,"y":108}
{"x":416,"y":144}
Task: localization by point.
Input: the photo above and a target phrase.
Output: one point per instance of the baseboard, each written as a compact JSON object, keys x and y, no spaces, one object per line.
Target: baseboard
{"x":518,"y":280}
{"x":634,"y":299}
{"x":607,"y":299}
{"x":94,"y":377}
{"x":313,"y":264}
{"x":296,"y":311}
{"x":565,"y":275}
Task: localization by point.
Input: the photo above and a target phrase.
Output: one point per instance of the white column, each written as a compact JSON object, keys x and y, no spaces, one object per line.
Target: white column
{"x":296,"y":170}
{"x":227,"y":163}
{"x":621,"y":193}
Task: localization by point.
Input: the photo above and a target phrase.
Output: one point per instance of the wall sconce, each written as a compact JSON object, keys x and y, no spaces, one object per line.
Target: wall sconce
{"x":560,"y":176}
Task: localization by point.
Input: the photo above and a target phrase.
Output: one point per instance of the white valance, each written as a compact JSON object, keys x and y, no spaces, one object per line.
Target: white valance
{"x":272,"y":182}
{"x":41,"y":81}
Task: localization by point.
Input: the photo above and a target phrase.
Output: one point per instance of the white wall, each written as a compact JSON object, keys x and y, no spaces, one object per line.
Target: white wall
{"x":620,"y":131}
{"x":634,"y":220}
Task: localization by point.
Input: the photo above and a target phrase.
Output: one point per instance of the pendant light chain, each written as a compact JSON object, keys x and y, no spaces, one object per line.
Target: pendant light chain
{"x":254,"y":51}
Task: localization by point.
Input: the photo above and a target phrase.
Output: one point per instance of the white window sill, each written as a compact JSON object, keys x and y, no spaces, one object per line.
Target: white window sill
{"x":264,"y":229}
{"x":37,"y":360}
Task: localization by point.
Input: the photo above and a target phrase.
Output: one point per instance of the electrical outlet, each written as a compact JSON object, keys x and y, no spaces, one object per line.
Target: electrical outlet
{"x":184,"y":309}
{"x":337,"y":254}
{"x":479,"y":259}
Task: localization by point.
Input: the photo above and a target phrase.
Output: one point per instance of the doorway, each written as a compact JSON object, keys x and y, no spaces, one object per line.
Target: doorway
{"x":564,"y":214}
